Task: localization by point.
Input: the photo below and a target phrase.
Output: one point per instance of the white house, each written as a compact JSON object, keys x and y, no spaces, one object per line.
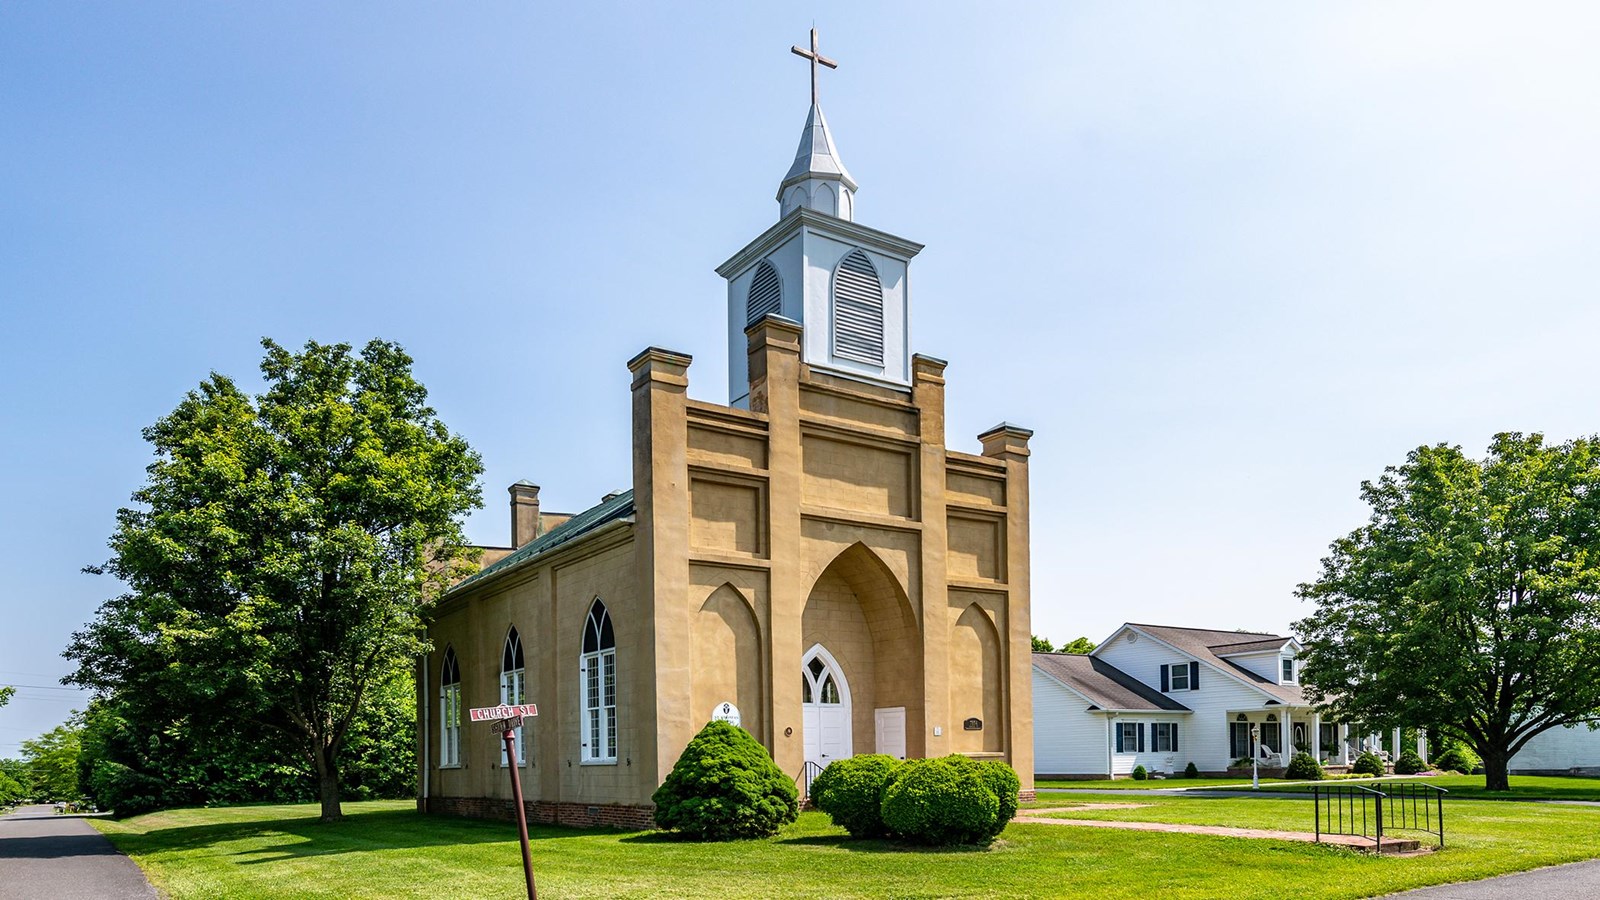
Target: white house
{"x":1163,"y":697}
{"x":1573,"y":750}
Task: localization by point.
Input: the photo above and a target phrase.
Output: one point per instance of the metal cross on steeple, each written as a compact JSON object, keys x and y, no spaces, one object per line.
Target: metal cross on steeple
{"x":815,"y":58}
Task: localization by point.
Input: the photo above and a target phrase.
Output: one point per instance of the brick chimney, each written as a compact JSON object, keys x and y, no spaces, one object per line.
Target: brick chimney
{"x":524,"y":512}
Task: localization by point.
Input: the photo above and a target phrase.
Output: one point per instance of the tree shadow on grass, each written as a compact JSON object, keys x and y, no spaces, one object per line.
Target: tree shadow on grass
{"x":838,"y":841}
{"x":362,"y":832}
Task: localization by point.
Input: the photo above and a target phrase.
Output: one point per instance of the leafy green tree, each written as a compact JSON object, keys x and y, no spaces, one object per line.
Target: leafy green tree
{"x":52,"y":760}
{"x":283,"y":550}
{"x":1468,"y":600}
{"x":5,"y":694}
{"x":1042,"y":645}
{"x":1078,"y":645}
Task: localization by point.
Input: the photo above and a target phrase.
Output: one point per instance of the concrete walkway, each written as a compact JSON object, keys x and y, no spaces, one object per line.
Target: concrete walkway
{"x":1573,"y":880}
{"x":43,"y":854}
{"x":1390,"y":845}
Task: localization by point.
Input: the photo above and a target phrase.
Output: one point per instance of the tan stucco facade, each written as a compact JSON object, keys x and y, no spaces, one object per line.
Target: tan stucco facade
{"x":830,"y":513}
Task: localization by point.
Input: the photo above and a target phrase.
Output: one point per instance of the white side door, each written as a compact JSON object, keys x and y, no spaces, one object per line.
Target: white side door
{"x":891,"y":729}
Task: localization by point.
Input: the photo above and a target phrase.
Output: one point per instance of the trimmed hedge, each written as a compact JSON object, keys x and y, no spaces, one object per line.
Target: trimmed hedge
{"x":1303,"y":767}
{"x":1003,"y":780}
{"x":851,"y":790}
{"x":1368,"y":763}
{"x":1140,"y":773}
{"x":725,"y":786}
{"x":941,"y":801}
{"x":1191,"y":771}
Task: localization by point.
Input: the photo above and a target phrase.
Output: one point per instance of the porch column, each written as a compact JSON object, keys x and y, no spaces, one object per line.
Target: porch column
{"x":1394,"y":745}
{"x":1344,"y":744}
{"x":1422,"y":743}
{"x":1286,"y":738}
{"x":1316,"y":736}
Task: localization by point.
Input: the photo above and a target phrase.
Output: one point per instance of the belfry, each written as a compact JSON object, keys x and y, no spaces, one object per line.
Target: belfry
{"x":809,"y":560}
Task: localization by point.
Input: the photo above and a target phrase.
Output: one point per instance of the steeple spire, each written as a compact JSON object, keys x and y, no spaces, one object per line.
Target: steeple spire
{"x":818,"y":179}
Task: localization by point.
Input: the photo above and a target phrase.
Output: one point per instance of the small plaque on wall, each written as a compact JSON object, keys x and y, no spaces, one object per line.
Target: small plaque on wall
{"x":973,"y":724}
{"x":726,"y":712}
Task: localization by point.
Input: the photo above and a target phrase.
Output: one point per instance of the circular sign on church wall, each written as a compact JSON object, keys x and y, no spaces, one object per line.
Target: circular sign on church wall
{"x":726,"y":712}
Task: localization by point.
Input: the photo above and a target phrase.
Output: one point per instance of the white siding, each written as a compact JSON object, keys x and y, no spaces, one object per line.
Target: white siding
{"x":1204,"y":737}
{"x":1123,"y":763}
{"x":1067,"y":738}
{"x":1267,"y":665}
{"x":1560,"y":749}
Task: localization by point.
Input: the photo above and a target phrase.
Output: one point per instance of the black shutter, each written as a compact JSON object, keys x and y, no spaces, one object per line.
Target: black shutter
{"x":1141,"y":737}
{"x":1194,"y":676}
{"x":1174,"y":727}
{"x":1165,"y":678}
{"x":1118,"y":726}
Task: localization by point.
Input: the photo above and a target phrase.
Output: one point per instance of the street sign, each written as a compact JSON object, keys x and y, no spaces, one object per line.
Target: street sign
{"x":491,"y":713}
{"x":506,"y":724}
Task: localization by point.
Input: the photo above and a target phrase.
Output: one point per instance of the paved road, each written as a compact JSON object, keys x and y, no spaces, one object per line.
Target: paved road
{"x":1575,"y":880}
{"x":63,"y":858}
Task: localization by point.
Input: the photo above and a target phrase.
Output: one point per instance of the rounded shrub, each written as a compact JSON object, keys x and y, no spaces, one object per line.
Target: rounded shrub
{"x":850,"y":791}
{"x":1191,"y":771}
{"x":1003,"y":781}
{"x":1457,"y":758}
{"x":1140,"y":773}
{"x":1303,"y":767}
{"x":725,"y":786}
{"x":1368,"y":763}
{"x":941,"y":801}
{"x":1409,"y":763}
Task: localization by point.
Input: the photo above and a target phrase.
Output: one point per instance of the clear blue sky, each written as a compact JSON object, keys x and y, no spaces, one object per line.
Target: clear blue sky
{"x":1227,"y":259}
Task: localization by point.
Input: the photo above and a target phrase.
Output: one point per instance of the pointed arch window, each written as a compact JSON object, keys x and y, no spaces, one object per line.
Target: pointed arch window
{"x":819,"y":685}
{"x":450,"y":710}
{"x":766,"y":293}
{"x":598,"y":668}
{"x":514,"y":687}
{"x":858,"y":310}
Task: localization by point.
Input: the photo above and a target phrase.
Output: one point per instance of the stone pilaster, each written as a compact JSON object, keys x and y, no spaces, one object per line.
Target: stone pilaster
{"x":662,"y":681}
{"x":927,"y":395}
{"x":1009,"y":444}
{"x":774,"y":344}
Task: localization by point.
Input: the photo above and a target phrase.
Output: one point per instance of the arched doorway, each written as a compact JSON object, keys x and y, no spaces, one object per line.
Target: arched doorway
{"x":825,"y":708}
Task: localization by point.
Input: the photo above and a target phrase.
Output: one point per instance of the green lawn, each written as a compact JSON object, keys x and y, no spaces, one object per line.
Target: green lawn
{"x":388,"y":850}
{"x":1128,"y":784}
{"x":1470,"y":787}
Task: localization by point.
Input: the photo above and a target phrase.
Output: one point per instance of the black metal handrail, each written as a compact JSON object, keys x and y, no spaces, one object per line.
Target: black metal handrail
{"x":1415,"y":806}
{"x":1348,"y":809}
{"x":807,"y":775}
{"x":1354,"y":810}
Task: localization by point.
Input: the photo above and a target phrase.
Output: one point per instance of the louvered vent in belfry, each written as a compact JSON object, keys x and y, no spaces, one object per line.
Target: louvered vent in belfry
{"x":766,"y":293}
{"x":857,"y":310}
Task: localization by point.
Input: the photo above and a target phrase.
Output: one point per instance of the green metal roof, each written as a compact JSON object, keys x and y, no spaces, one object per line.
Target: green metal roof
{"x":618,"y":507}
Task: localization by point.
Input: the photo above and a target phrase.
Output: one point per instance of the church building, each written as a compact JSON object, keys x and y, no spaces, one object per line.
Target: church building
{"x":810,"y":561}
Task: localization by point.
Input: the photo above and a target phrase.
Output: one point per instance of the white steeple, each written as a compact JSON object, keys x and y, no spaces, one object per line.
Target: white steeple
{"x":818,"y":179}
{"x":845,"y":284}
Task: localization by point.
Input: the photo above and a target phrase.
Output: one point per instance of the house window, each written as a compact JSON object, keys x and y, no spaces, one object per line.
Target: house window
{"x":1180,"y":677}
{"x":598,"y":667}
{"x":858,"y":310}
{"x":1288,"y":671}
{"x":514,"y":687}
{"x":1164,"y":737}
{"x":1239,"y":740}
{"x":1128,"y":738}
{"x":450,"y":710}
{"x":1272,"y":734}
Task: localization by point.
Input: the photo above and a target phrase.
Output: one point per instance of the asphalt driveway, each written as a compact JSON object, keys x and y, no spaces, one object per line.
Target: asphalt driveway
{"x":62,"y":857}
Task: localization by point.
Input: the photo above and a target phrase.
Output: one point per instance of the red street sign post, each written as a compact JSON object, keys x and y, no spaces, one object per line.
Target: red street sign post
{"x":507,"y":719}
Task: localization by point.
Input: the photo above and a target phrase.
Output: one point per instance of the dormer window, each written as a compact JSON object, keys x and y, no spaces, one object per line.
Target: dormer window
{"x":1180,"y":678}
{"x":1288,"y":670}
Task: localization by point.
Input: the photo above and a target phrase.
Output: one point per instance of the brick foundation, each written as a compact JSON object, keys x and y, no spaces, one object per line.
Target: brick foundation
{"x":573,"y":815}
{"x":1026,"y":796}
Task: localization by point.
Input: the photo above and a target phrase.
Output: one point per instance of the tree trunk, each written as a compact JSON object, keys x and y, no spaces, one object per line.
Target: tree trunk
{"x":328,"y":784}
{"x":1495,"y":762}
